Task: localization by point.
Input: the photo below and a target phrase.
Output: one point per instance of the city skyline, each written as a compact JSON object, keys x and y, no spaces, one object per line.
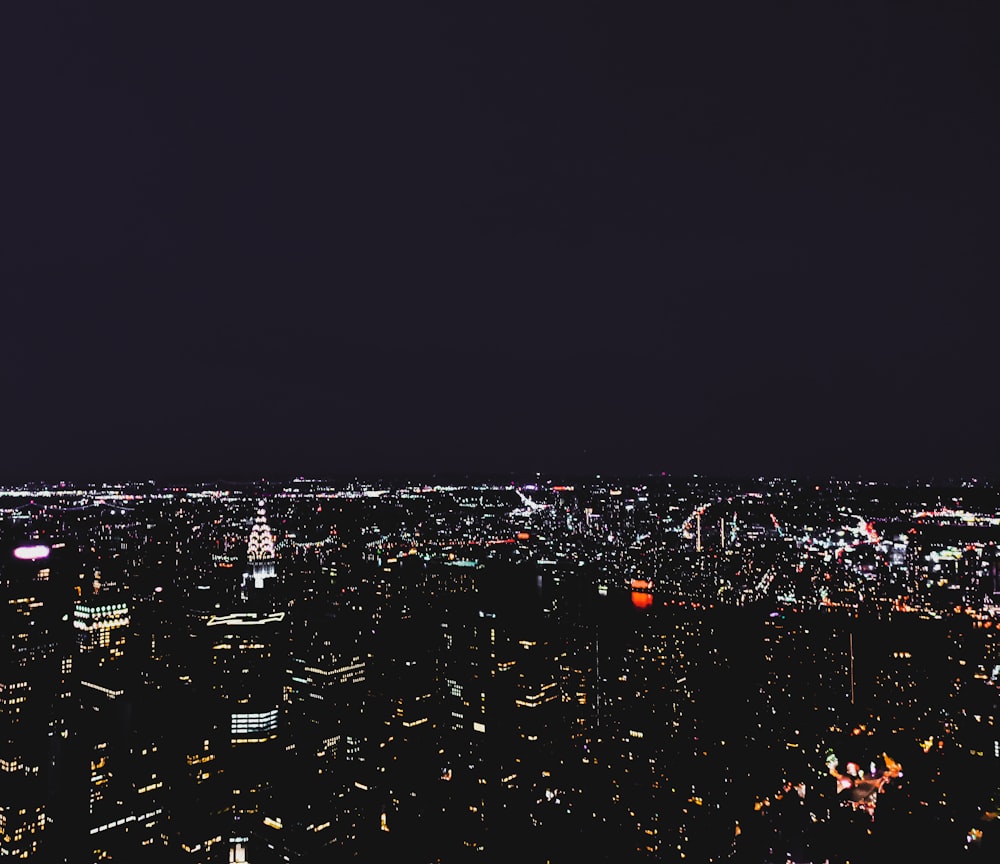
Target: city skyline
{"x":670,"y":670}
{"x":462,"y":433}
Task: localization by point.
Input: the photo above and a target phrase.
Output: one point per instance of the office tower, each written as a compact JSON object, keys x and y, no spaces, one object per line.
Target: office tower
{"x":323,"y":798}
{"x":260,"y":556}
{"x":229,"y":756}
{"x":30,"y":681}
{"x":200,"y":803}
{"x":245,"y":687}
{"x":101,"y":623}
{"x":116,"y":773}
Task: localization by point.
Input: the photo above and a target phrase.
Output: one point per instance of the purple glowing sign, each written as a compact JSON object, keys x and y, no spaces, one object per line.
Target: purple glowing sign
{"x":31,"y":553}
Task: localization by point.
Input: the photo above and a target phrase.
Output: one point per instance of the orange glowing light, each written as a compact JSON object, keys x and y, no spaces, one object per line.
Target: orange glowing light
{"x":641,"y":600}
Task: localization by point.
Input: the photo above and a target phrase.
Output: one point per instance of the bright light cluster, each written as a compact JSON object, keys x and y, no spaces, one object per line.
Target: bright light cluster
{"x":261,"y":546}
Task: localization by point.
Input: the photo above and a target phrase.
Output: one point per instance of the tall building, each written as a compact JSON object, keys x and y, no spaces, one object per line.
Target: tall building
{"x":246,"y":686}
{"x":101,"y":623}
{"x":260,"y":554}
{"x":116,"y":782}
{"x":29,"y":688}
{"x":322,"y":795}
{"x":242,"y":720}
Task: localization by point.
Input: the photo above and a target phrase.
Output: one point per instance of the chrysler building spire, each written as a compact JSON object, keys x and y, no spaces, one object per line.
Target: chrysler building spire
{"x":260,"y":550}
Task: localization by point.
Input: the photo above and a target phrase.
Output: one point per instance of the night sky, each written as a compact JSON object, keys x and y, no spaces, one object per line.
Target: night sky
{"x":321,"y":239}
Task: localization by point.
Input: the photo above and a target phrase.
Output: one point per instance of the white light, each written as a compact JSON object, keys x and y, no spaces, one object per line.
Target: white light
{"x":261,"y":545}
{"x":31,"y":553}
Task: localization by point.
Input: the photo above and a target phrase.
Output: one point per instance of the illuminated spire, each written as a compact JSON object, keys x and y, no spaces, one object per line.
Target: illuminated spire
{"x":261,"y":546}
{"x":260,"y":552}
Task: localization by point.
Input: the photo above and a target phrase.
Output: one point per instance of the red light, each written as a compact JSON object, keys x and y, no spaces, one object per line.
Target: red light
{"x":641,"y":600}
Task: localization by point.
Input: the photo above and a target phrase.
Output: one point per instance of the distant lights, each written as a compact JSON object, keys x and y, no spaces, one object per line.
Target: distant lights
{"x":31,"y":553}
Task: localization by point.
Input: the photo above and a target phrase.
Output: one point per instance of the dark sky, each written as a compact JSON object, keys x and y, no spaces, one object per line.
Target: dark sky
{"x":715,"y":237}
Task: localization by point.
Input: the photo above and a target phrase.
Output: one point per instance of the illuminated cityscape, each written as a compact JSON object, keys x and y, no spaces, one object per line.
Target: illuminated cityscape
{"x":469,"y":671}
{"x":441,"y":432}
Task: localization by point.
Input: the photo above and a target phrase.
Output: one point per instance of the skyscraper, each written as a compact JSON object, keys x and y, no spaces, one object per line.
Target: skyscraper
{"x":29,"y":683}
{"x":260,"y":553}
